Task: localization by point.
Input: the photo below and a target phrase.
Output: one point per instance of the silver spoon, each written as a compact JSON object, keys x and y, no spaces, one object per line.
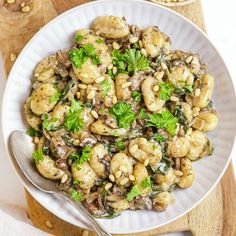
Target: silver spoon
{"x":22,"y":148}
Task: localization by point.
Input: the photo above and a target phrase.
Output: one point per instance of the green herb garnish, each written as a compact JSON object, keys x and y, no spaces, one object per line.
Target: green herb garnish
{"x":79,"y":38}
{"x":77,"y":196}
{"x":137,"y":96}
{"x":106,"y":87}
{"x":81,"y":157}
{"x":73,"y":121}
{"x":142,"y":114}
{"x":120,"y":145}
{"x":48,"y":124}
{"x":123,"y":113}
{"x":159,"y":138}
{"x":118,"y":60}
{"x":134,"y":192}
{"x":99,"y":41}
{"x":79,"y":56}
{"x":55,"y":97}
{"x":136,"y":61}
{"x":146,"y":183}
{"x":33,"y":133}
{"x":165,"y":91}
{"x":164,"y":120}
{"x":38,"y":155}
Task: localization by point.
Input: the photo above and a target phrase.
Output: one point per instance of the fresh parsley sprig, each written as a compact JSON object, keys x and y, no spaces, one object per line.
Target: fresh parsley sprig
{"x":79,"y":56}
{"x":73,"y":121}
{"x":164,"y":120}
{"x":123,"y":113}
{"x":78,"y":158}
{"x":38,"y":155}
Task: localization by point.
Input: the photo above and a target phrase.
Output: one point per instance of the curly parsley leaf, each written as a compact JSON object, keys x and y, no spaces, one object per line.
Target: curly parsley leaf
{"x":73,"y":121}
{"x":100,"y":41}
{"x":137,"y":96}
{"x":146,"y":183}
{"x":159,"y":138}
{"x":48,"y":124}
{"x":81,"y":157}
{"x":164,"y":120}
{"x":120,"y":145}
{"x":134,"y":192}
{"x":142,"y":114}
{"x":123,"y":113}
{"x":118,"y":60}
{"x":38,"y":155}
{"x":79,"y":56}
{"x":33,"y":133}
{"x":55,"y":97}
{"x":79,"y":38}
{"x":165,"y":91}
{"x":77,"y":196}
{"x":106,"y":87}
{"x":136,"y":61}
{"x":137,"y":189}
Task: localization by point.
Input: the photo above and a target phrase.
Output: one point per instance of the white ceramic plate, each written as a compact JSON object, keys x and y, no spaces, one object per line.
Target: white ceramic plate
{"x":58,"y":35}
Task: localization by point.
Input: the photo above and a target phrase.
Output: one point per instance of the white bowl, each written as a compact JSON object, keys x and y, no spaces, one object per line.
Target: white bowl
{"x":186,"y":36}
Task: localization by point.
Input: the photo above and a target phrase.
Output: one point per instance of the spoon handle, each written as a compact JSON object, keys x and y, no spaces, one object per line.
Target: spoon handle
{"x":94,"y":224}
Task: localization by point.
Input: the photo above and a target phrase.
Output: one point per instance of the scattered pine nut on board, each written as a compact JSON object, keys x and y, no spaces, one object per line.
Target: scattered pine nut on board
{"x":215,"y":216}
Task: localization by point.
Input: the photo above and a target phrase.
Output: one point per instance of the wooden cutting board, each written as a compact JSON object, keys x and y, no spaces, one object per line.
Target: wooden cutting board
{"x":215,"y":216}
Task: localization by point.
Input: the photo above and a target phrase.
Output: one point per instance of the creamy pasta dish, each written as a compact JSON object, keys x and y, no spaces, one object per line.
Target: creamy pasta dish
{"x":118,"y":118}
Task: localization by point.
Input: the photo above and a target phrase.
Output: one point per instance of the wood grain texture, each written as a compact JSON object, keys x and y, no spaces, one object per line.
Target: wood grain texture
{"x":215,"y":216}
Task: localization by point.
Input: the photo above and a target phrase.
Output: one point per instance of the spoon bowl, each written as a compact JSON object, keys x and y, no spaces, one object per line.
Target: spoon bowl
{"x":22,"y":149}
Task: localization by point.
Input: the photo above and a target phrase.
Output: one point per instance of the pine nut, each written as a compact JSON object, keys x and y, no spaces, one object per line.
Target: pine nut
{"x":12,"y":57}
{"x":163,"y":66}
{"x":124,"y":181}
{"x":134,"y":148}
{"x":197,"y":92}
{"x":94,"y":114}
{"x":114,"y":100}
{"x":22,"y":4}
{"x":189,"y":59}
{"x":78,"y":95}
{"x":91,"y":94}
{"x":146,"y":162}
{"x":112,"y":178}
{"x":99,"y":79}
{"x":64,"y":178}
{"x":144,"y":52}
{"x":133,"y":39}
{"x":114,"y":70}
{"x":178,"y":173}
{"x":123,"y":169}
{"x":116,"y":45}
{"x":140,"y":43}
{"x":174,"y":99}
{"x":118,"y":174}
{"x":49,"y":224}
{"x":110,"y":66}
{"x":126,"y":85}
{"x":108,"y":186}
{"x":196,"y":111}
{"x":25,"y":9}
{"x":85,"y":233}
{"x":159,"y":75}
{"x":36,"y":140}
{"x":11,"y":1}
{"x":155,"y":88}
{"x":131,"y":178}
{"x":82,"y":86}
{"x":76,"y":142}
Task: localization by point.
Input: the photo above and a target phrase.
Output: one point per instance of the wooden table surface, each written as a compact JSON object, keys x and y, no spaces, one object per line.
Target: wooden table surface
{"x":215,"y":216}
